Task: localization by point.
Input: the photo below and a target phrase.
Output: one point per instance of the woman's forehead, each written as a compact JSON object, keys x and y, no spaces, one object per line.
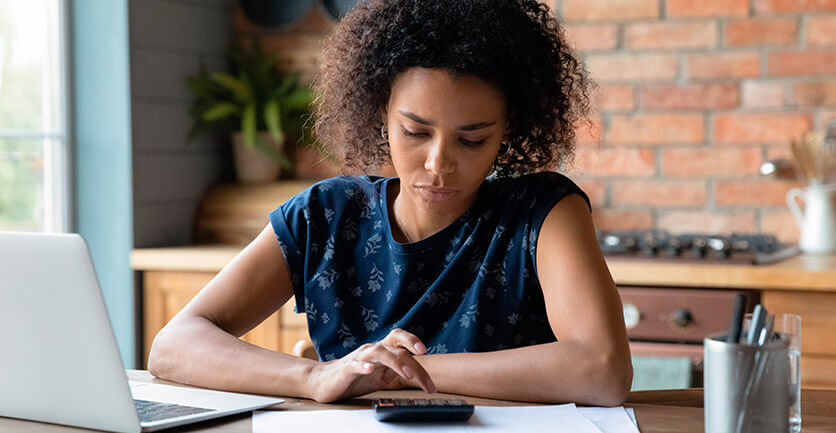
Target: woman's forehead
{"x":425,"y":92}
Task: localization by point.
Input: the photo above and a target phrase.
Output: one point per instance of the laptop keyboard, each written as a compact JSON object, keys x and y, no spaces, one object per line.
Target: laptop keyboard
{"x":154,"y":410}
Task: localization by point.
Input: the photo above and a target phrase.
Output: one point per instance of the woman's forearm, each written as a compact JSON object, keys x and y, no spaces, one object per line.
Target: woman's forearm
{"x":559,"y":372}
{"x":197,"y":352}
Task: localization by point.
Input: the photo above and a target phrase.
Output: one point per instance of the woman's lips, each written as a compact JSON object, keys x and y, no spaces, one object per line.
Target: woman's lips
{"x":432,"y":193}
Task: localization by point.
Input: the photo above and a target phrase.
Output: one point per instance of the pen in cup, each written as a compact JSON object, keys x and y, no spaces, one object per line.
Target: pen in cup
{"x":737,"y":319}
{"x":759,"y":334}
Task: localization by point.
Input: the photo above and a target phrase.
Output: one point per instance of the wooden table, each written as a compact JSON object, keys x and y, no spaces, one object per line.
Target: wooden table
{"x":674,"y":411}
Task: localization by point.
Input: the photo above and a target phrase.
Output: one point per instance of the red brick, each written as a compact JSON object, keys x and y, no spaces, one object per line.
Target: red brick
{"x":741,"y":64}
{"x":608,"y":162}
{"x":613,"y":219}
{"x":585,"y":10}
{"x":704,"y":162}
{"x":616,"y":97}
{"x":671,"y":35}
{"x":752,"y":193}
{"x":763,"y":94}
{"x":656,"y":129}
{"x":760,"y":128}
{"x":588,"y":132}
{"x":655,"y":193}
{"x":764,"y":31}
{"x":780,"y":223}
{"x":821,"y":30}
{"x":708,"y":222}
{"x":784,"y":6}
{"x":702,"y":96}
{"x":596,"y":190}
{"x":802,"y":63}
{"x":691,"y":8}
{"x":594,"y":37}
{"x":815,"y":93}
{"x":777,"y":151}
{"x":633,"y":67}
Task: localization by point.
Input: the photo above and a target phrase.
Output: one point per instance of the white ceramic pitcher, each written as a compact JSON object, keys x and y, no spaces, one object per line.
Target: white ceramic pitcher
{"x":818,"y":218}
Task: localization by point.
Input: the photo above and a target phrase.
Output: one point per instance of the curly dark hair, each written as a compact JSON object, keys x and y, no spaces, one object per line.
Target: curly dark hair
{"x":516,"y":45}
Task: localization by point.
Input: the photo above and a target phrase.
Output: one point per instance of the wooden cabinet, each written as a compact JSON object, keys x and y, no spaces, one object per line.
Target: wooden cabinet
{"x":166,"y":292}
{"x":818,"y":325}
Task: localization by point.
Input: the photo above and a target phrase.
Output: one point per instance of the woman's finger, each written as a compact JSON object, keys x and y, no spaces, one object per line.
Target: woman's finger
{"x":409,"y":341}
{"x":402,"y":363}
{"x":361,"y":367}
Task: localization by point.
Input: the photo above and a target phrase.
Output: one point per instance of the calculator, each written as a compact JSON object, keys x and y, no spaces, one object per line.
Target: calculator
{"x":422,"y":409}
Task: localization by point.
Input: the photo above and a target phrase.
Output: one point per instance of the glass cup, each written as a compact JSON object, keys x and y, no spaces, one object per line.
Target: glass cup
{"x":790,"y":326}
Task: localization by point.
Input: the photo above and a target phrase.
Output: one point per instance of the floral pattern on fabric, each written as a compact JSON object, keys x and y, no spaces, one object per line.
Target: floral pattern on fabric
{"x":471,"y":287}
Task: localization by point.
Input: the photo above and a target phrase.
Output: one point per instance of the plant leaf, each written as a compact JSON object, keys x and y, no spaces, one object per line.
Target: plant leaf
{"x":220,"y":110}
{"x":299,"y":100}
{"x":248,"y":125}
{"x":273,"y":120}
{"x":200,"y":86}
{"x":239,"y":87}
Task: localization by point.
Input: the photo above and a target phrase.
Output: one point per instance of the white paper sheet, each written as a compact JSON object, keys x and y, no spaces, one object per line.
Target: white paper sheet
{"x":486,"y":419}
{"x":611,"y":419}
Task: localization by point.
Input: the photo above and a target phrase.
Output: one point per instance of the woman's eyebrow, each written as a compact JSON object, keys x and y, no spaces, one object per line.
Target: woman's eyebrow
{"x":471,"y":127}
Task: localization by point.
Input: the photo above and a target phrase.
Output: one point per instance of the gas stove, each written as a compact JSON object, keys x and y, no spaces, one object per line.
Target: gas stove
{"x":694,"y":247}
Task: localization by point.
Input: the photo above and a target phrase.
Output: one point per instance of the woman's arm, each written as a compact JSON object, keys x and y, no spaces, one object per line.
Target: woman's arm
{"x":590,"y":362}
{"x":200,"y":345}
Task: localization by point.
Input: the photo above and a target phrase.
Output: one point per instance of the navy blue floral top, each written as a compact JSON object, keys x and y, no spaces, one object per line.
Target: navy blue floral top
{"x":472,"y":287}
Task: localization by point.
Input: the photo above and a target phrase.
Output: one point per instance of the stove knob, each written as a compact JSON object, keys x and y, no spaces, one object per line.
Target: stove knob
{"x":682,"y":318}
{"x":698,"y":248}
{"x":632,"y":316}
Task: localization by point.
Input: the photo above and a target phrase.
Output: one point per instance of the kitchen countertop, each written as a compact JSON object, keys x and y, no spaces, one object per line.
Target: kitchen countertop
{"x":802,"y":272}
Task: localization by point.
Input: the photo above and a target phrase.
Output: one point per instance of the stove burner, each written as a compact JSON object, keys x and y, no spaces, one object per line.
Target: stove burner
{"x":693,"y":246}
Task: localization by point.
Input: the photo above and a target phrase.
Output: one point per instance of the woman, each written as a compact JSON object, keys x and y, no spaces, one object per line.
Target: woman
{"x":473,"y":271}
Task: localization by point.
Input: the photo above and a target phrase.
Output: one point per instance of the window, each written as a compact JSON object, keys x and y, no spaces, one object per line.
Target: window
{"x":34,"y":143}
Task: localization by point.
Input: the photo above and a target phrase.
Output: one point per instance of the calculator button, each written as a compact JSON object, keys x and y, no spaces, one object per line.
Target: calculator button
{"x":438,"y":402}
{"x":421,"y":402}
{"x":456,"y":402}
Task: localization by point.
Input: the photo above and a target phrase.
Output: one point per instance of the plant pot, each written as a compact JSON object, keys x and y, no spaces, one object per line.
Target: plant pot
{"x":252,"y":165}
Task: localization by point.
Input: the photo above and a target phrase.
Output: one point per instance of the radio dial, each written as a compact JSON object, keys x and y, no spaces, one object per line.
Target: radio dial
{"x":682,"y":318}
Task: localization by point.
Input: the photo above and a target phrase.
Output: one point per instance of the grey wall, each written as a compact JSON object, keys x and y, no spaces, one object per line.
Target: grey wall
{"x":168,"y":38}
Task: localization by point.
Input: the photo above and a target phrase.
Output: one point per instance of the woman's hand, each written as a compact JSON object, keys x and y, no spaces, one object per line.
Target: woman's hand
{"x":387,"y":364}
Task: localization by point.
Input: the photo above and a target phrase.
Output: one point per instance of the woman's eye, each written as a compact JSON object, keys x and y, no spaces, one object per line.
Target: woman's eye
{"x":469,"y":143}
{"x":409,"y":133}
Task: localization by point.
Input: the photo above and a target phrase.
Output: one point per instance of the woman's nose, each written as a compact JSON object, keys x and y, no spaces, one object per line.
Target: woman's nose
{"x":440,"y":159}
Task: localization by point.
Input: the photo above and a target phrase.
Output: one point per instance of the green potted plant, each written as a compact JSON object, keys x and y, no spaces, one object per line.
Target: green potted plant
{"x":254,"y":103}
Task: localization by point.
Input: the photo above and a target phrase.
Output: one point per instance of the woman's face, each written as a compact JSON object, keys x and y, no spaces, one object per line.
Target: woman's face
{"x":444,"y":135}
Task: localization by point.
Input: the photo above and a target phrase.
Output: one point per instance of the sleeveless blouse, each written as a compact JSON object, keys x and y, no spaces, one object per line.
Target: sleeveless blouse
{"x":471,"y":287}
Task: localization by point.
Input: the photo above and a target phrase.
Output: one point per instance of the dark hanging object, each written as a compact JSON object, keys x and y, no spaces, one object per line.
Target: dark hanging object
{"x":337,"y":8}
{"x":275,"y":13}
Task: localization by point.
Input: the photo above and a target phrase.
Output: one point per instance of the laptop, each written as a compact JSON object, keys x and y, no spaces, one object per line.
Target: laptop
{"x":59,"y":362}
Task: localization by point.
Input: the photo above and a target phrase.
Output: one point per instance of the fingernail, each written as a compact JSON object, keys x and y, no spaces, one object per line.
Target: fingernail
{"x":420,"y":348}
{"x":367,"y":366}
{"x":407,"y":371}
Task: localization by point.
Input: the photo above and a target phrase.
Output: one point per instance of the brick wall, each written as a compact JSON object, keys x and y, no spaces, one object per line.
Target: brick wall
{"x":693,"y":97}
